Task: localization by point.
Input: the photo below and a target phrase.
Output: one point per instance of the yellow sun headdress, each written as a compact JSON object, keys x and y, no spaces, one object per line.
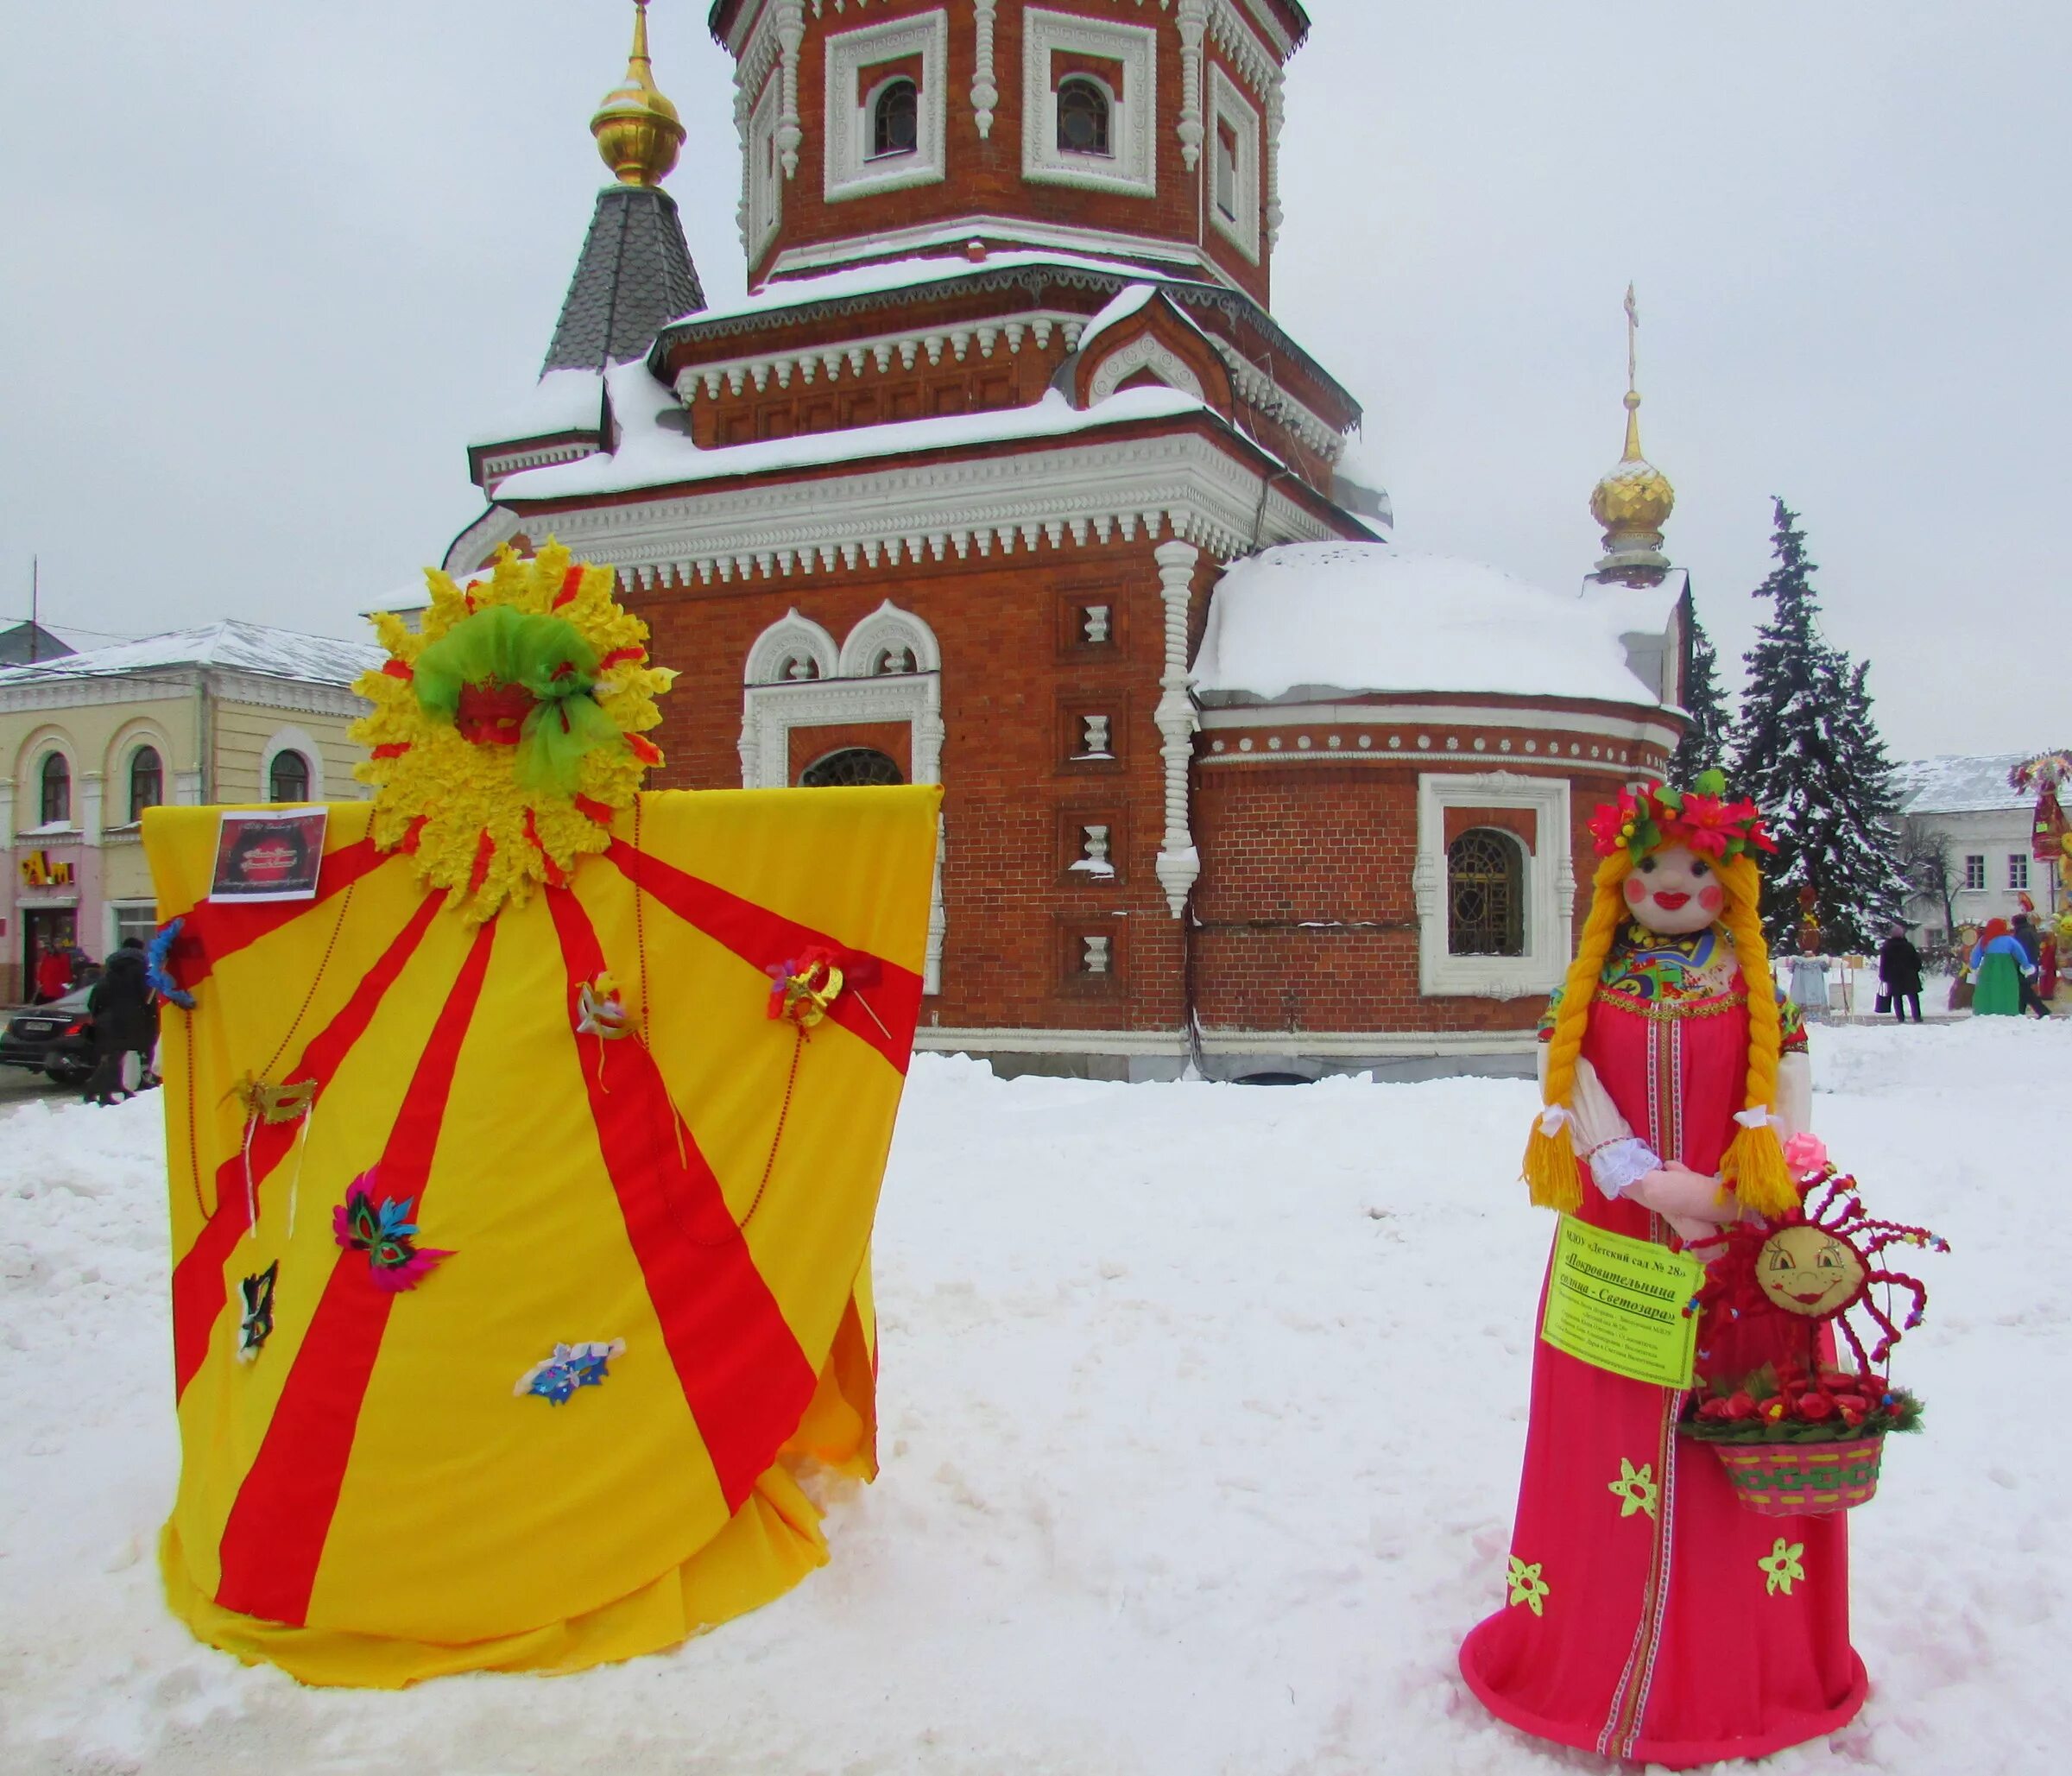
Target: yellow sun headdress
{"x":1728,"y":833}
{"x":509,"y":731}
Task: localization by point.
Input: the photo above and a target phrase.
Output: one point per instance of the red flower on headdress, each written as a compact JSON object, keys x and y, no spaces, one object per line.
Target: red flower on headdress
{"x":1707,"y":825}
{"x":1612,"y":825}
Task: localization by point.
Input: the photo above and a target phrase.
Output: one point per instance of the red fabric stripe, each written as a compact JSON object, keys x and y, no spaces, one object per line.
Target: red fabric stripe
{"x":197,"y":1290}
{"x":621,"y":656}
{"x":744,"y":1375}
{"x":761,"y":936}
{"x":273,"y":1541}
{"x":393,"y":750}
{"x":571,"y":584}
{"x":397,"y":669}
{"x":216,"y":929}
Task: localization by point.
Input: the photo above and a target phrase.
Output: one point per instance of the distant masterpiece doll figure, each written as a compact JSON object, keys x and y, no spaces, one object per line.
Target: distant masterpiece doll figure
{"x":1642,"y":1621}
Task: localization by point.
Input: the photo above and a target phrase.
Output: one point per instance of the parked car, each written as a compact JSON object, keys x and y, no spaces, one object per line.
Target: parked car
{"x":56,"y":1039}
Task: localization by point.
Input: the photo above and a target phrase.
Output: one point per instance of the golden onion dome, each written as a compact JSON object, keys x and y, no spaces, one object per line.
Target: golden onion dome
{"x":1635,"y":496}
{"x":638,"y":131}
{"x":1632,"y":503}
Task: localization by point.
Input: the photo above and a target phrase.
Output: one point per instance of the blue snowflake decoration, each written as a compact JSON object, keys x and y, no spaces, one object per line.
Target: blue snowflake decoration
{"x":157,"y":953}
{"x":571,"y":1367}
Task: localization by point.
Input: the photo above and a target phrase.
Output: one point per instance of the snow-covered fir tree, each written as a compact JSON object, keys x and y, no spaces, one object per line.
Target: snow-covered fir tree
{"x":1807,"y":748}
{"x":1709,"y":738}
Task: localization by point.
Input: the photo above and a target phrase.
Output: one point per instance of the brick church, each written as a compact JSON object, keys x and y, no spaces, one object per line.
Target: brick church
{"x":1004,"y":476}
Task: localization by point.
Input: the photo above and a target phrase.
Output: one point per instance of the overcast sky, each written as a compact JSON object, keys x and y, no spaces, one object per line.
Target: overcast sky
{"x":266,"y":266}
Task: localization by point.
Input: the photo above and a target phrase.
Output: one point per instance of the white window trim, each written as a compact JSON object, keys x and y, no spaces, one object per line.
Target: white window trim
{"x":765,"y":209}
{"x":1133,"y":168}
{"x":1549,"y":887}
{"x":291,"y":740}
{"x":847,"y":169}
{"x":1227,"y":104}
{"x":791,"y":634}
{"x":886,"y":628}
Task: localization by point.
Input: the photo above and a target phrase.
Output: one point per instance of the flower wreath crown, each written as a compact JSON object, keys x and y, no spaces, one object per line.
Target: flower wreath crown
{"x":1700,"y":817}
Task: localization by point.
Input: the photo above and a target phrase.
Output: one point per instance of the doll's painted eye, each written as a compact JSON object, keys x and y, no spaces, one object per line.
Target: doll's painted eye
{"x":1647,"y":866}
{"x":1700,"y":867}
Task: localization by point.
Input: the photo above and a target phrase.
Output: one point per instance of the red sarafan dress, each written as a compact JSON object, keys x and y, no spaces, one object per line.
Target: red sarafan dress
{"x":1649,"y":1615}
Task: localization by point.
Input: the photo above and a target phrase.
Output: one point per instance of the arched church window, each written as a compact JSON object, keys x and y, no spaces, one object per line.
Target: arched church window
{"x":895,"y":119}
{"x":798,"y":667}
{"x":892,"y":661}
{"x":288,"y":780}
{"x":1485,"y":894}
{"x":57,"y":788}
{"x":1226,"y":170}
{"x":147,"y":782}
{"x":853,"y":767}
{"x":1084,"y":113}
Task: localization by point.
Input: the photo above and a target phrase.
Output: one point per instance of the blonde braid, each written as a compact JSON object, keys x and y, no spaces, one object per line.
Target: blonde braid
{"x":1754,"y":1162}
{"x":1550,"y":1163}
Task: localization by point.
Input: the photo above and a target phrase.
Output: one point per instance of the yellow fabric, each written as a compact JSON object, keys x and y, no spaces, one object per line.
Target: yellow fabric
{"x":474,"y":1529}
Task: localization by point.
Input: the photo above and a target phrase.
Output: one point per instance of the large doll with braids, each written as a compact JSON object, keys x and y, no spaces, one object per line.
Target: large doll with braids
{"x":1648,"y":1616}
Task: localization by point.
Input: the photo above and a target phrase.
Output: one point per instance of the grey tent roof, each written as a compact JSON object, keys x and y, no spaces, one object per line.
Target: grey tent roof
{"x":28,"y":641}
{"x":635,"y":276}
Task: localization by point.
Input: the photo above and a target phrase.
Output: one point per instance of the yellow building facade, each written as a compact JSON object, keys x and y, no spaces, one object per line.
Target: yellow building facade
{"x":233,"y":713}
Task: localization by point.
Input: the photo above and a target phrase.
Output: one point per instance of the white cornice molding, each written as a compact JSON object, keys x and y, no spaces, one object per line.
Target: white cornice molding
{"x":1095,"y":243}
{"x":1032,"y":499}
{"x":879,"y":352}
{"x":1404,"y":719}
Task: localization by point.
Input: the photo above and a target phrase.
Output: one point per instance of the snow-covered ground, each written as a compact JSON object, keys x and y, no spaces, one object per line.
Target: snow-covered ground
{"x":1201,"y":1410}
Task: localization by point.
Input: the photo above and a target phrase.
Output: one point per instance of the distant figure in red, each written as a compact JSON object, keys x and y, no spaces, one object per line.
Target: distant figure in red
{"x":53,"y":974}
{"x":1639,"y":1620}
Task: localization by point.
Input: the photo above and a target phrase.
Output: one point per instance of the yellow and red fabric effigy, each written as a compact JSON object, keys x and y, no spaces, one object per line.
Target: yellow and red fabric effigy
{"x":521,"y":1259}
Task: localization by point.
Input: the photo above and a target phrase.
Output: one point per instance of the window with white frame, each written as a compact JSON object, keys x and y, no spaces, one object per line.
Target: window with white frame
{"x":886,"y":114}
{"x":1974,"y":871}
{"x":2018,"y":869}
{"x":56,"y":787}
{"x":766,"y":172}
{"x":1090,"y":103}
{"x":1233,"y":163}
{"x":1494,"y":913}
{"x":131,"y":919}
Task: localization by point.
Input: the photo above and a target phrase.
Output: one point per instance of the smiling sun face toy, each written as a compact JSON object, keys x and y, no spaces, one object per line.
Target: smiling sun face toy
{"x":1806,"y":1271}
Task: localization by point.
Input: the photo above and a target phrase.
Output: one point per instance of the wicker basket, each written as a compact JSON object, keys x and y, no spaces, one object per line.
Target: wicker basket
{"x":1803,"y":1479}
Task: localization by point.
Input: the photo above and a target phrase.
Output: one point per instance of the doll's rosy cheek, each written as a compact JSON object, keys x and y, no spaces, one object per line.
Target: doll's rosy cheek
{"x":1636,"y":889}
{"x":1712,"y":899}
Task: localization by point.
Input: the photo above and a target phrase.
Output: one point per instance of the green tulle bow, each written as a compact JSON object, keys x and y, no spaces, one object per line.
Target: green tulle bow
{"x":548,"y":656}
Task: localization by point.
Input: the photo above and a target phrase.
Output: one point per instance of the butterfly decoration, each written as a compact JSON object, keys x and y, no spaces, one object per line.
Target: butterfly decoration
{"x":385,"y":1232}
{"x":571,"y":1367}
{"x":255,"y":1322}
{"x":600,"y":1012}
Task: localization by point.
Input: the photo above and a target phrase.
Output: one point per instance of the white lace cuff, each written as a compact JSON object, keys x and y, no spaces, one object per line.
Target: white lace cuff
{"x":1618,"y":1165}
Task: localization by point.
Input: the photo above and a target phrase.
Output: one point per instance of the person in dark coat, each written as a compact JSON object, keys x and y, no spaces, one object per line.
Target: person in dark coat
{"x":2032,"y":941}
{"x":1900,"y":973}
{"x":120,"y":1005}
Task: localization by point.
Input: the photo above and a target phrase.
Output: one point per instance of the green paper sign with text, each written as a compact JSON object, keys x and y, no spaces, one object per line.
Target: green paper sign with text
{"x":1619,"y":1304}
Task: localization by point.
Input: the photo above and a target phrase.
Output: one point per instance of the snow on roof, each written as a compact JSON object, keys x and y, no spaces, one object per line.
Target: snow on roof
{"x":231,"y":647}
{"x":901,"y":274}
{"x":1119,"y":308}
{"x":561,"y":400}
{"x":654,"y":450}
{"x":1952,"y":784}
{"x":1356,"y":617}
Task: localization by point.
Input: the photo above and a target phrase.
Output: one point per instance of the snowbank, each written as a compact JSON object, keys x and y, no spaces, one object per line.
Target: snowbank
{"x":1201,"y":1413}
{"x":1355,"y":617}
